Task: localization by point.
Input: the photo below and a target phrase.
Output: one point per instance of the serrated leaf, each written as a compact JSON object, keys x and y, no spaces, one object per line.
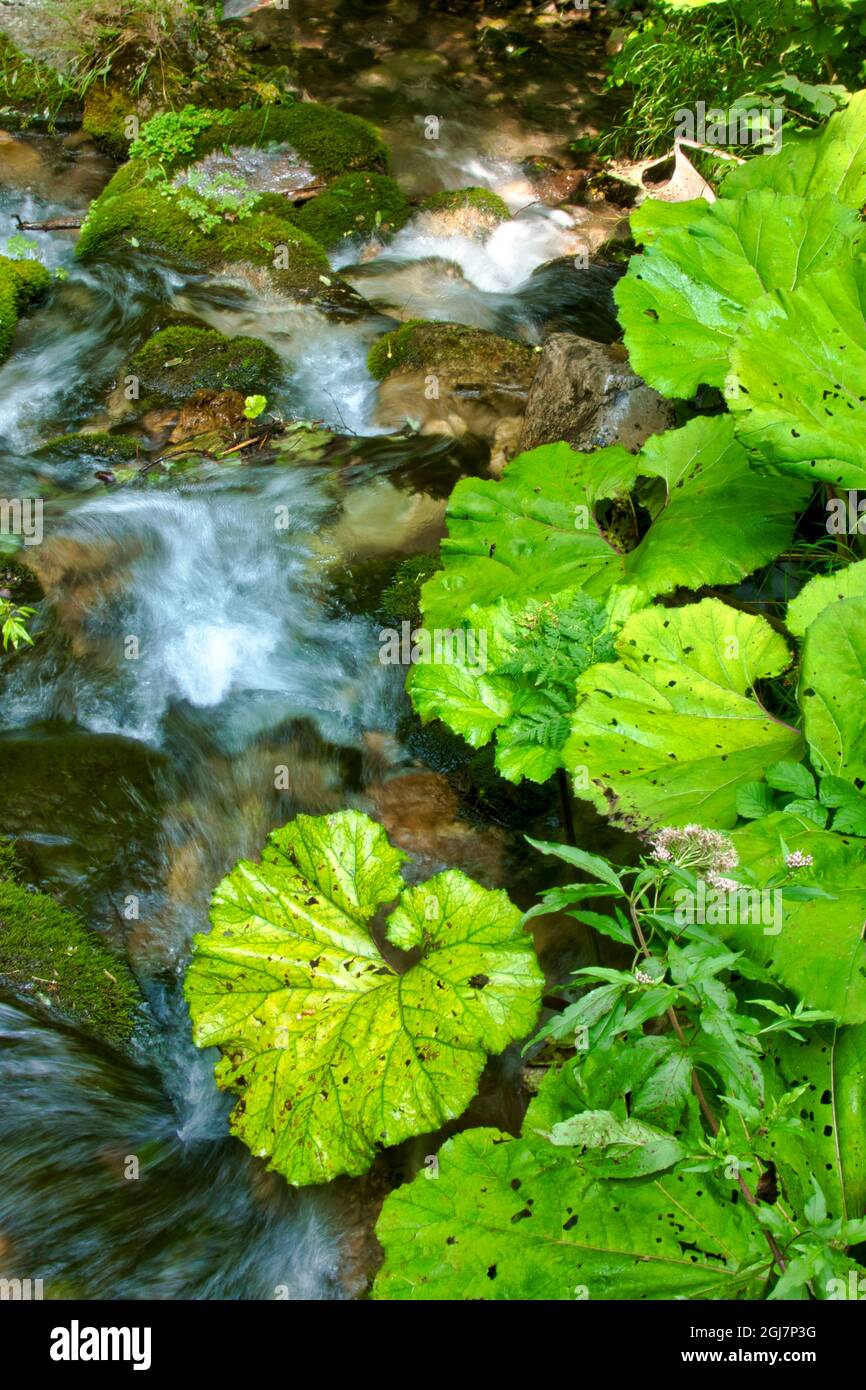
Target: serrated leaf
{"x":788,"y":776}
{"x":616,"y":1148}
{"x":669,"y":732}
{"x":754,"y":799}
{"x":335,"y":1053}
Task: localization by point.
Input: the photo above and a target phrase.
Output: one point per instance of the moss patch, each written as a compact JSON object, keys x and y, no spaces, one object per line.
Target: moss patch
{"x":354,"y":205}
{"x":401,"y":599}
{"x":480,"y":198}
{"x":71,"y":447}
{"x":450,"y":349}
{"x":177,"y":361}
{"x":330,"y":141}
{"x":30,"y":88}
{"x":22,"y":283}
{"x":46,"y":952}
{"x":106,"y":111}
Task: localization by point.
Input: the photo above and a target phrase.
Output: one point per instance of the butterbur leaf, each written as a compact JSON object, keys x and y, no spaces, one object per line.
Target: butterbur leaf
{"x":832,"y":689}
{"x":537,"y":531}
{"x":521,"y":1219}
{"x":334,"y":1052}
{"x":822,"y":590}
{"x":797,"y":383}
{"x":828,"y":1135}
{"x":683,"y":300}
{"x":668,"y":733}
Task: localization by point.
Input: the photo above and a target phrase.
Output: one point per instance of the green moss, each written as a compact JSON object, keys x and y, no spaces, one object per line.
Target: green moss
{"x":106,"y":111}
{"x":480,"y":198}
{"x":177,"y":361}
{"x":354,"y":205}
{"x":331,"y":141}
{"x":47,"y":952}
{"x":400,"y":601}
{"x":28,"y":86}
{"x":22,"y":283}
{"x":111,"y":447}
{"x":449,"y":348}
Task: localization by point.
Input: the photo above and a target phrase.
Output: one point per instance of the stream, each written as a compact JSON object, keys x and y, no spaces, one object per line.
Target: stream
{"x":145,"y":778}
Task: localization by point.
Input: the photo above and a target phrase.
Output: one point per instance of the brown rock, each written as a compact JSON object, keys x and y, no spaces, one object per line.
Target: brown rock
{"x":586,"y":394}
{"x":208,"y":411}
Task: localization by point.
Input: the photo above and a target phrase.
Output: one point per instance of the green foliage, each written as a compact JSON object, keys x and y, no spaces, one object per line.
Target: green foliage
{"x":671,"y":730}
{"x":637,"y":1172}
{"x":170,"y":137}
{"x":684,"y":299}
{"x":254,"y":406}
{"x":13,"y":624}
{"x":336,"y":1052}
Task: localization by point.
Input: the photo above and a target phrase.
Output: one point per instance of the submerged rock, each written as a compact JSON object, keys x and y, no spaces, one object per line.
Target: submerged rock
{"x":586,"y":394}
{"x":22,"y":284}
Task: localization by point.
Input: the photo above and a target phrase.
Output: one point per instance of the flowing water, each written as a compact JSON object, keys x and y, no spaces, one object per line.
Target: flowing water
{"x":148,"y":769}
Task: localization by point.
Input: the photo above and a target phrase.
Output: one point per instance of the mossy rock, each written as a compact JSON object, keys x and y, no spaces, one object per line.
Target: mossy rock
{"x":174,"y":363}
{"x":482,"y":199}
{"x":354,"y":205}
{"x":48,"y":953}
{"x":130,"y":213}
{"x":22,"y":283}
{"x":31,"y":90}
{"x":452,"y":350}
{"x":112,"y":448}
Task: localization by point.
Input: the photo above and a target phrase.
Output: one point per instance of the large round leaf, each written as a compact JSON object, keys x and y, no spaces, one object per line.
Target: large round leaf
{"x":334,"y":1052}
{"x":521,"y":1219}
{"x":822,"y":590}
{"x":798,"y":377}
{"x":832,"y":690}
{"x":535,"y":532}
{"x":668,"y":732}
{"x":683,"y":300}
